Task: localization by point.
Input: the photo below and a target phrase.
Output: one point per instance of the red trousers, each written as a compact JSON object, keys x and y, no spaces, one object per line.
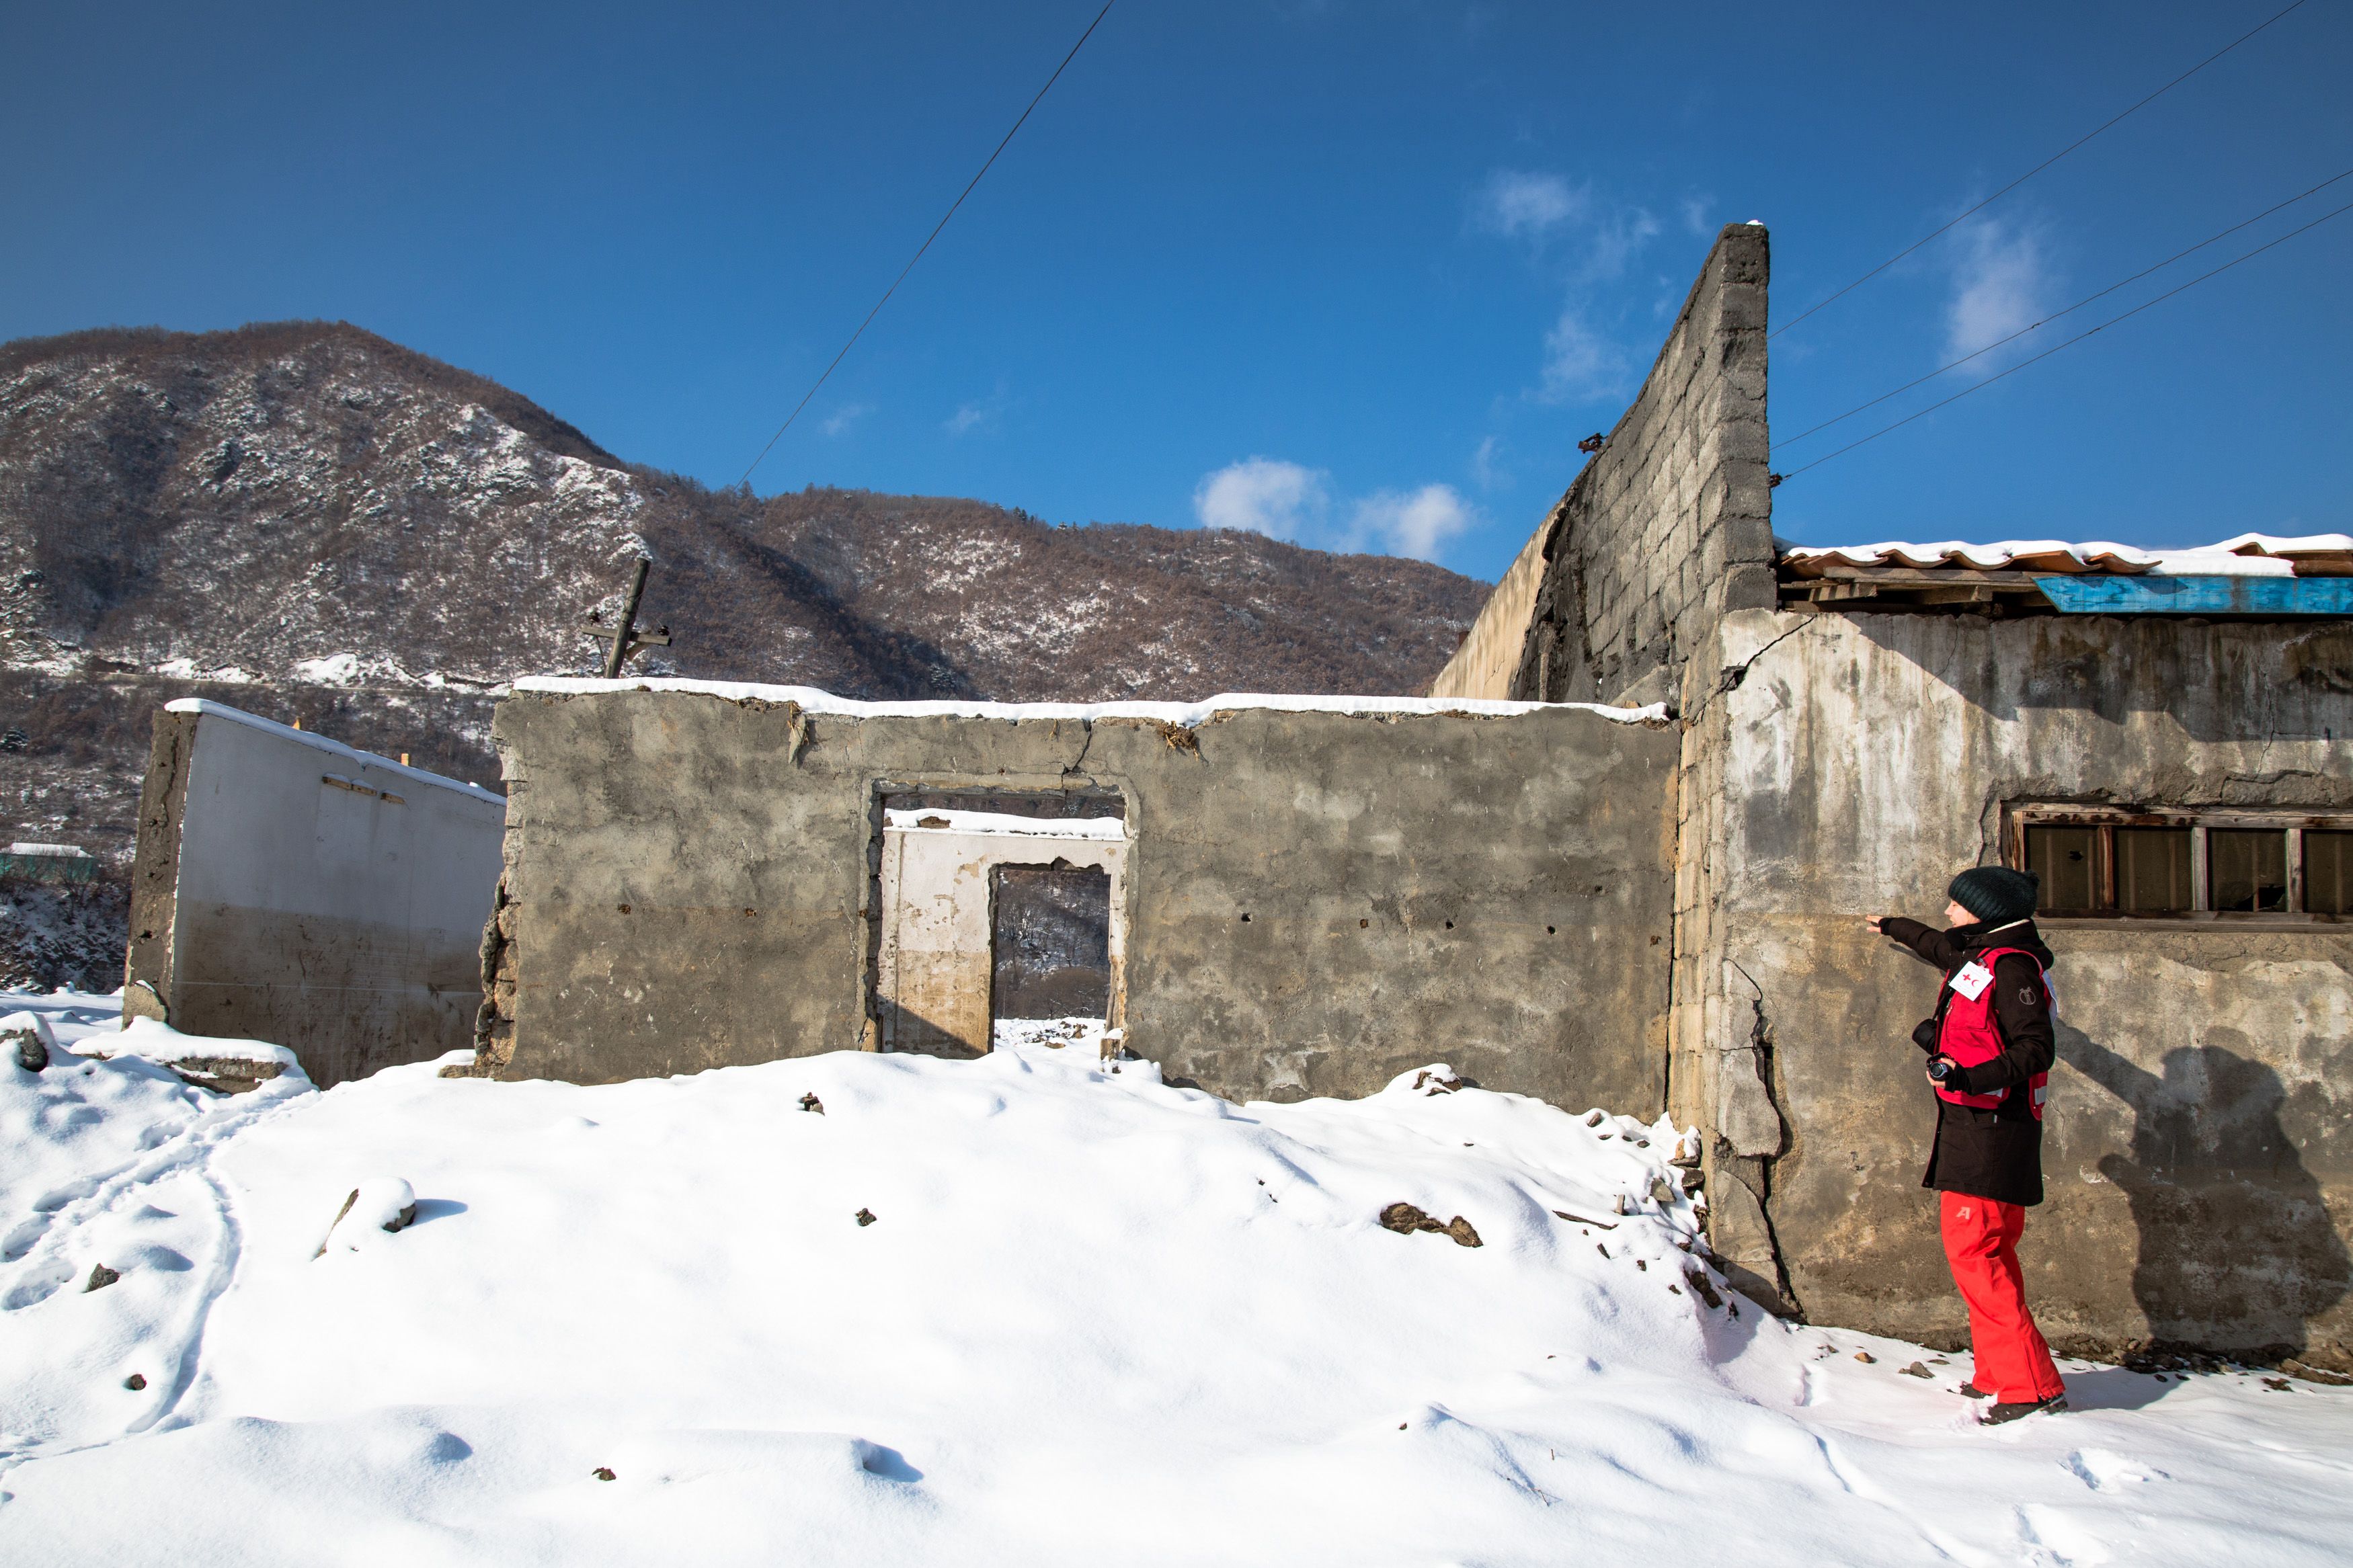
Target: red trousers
{"x":2013,"y":1365}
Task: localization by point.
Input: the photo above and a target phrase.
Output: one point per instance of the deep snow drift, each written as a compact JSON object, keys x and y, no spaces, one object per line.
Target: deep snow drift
{"x":1019,"y":1310}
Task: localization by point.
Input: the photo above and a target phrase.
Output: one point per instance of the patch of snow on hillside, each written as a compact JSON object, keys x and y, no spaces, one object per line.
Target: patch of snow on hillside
{"x":336,"y":669}
{"x":1028,"y":1309}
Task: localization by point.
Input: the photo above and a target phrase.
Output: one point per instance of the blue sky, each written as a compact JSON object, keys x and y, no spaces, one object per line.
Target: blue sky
{"x":1360,"y":271}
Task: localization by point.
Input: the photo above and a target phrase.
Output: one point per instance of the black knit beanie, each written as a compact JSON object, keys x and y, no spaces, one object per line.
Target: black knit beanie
{"x":1995,"y":894}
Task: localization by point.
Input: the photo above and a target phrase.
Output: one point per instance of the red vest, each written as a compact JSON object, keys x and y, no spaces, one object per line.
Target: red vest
{"x":1971,"y":1036}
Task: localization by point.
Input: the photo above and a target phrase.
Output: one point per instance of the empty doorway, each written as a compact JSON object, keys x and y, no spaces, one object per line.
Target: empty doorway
{"x":992,"y":907}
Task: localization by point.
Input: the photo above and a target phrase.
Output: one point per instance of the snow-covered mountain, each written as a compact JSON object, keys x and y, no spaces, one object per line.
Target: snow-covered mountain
{"x":312,"y":522}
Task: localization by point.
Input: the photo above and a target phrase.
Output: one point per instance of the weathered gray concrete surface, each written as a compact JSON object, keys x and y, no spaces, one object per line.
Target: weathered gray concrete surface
{"x":1316,"y":901}
{"x":1664,"y":531}
{"x":291,"y":890}
{"x":2199,"y":1141}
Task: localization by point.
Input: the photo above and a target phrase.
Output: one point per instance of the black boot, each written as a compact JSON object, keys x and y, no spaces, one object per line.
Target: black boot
{"x":2001,"y":1413}
{"x":1970,"y":1390}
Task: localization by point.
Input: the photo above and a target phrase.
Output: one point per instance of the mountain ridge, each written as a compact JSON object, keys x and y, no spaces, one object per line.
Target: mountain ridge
{"x":312,"y":521}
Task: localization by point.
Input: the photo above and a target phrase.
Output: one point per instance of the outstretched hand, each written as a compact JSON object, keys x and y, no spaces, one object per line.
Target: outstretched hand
{"x":1872,"y":921}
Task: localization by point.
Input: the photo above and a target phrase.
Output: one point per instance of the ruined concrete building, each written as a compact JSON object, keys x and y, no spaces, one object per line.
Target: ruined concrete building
{"x":1622,"y":855}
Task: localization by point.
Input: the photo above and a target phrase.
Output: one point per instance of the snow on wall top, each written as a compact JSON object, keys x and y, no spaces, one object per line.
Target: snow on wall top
{"x":2247,"y":555}
{"x":206,"y":705}
{"x":1099,"y":829}
{"x":1184,"y":715}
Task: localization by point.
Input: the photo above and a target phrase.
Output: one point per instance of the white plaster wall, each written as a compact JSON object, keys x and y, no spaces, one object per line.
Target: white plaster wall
{"x":343,"y":922}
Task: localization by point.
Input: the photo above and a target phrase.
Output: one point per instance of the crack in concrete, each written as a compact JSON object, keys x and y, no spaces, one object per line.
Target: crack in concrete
{"x":1732,"y":674}
{"x":1760,"y":1043}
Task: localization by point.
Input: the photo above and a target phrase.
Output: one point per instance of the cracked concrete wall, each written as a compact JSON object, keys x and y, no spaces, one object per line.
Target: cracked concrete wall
{"x":1670,"y":526}
{"x":2199,"y":1152}
{"x":1316,"y":901}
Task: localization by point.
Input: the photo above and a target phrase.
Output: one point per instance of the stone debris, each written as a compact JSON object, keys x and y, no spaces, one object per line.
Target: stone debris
{"x":1618,"y":1206}
{"x":1701,"y":1288}
{"x":135,"y":1381}
{"x":29,"y":1035}
{"x":811,"y":1102}
{"x":603,"y":1473}
{"x":1865,"y":1357}
{"x":2277,"y":1384}
{"x":1662,"y":1191}
{"x":864,"y":1217}
{"x":1594,"y":1118}
{"x":1405,"y":1219}
{"x":2295,"y":1368}
{"x":1440,"y":1080}
{"x":1580,"y":1219}
{"x":1916,"y":1370}
{"x":101,"y":1277}
{"x":390,"y":1203}
{"x":225,"y":1075}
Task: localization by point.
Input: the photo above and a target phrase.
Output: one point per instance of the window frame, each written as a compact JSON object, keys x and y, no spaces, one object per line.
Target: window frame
{"x":2017,"y":817}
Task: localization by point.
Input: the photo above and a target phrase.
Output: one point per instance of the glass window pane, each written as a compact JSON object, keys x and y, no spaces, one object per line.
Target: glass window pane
{"x":2153,"y":869}
{"x":2327,"y":872}
{"x":2066,"y":859}
{"x":2249,"y":869}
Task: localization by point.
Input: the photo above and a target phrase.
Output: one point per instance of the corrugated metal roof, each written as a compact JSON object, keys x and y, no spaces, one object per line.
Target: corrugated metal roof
{"x":2248,"y":555}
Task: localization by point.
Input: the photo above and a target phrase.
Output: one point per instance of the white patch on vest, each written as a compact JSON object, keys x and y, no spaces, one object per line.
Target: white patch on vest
{"x":1971,"y":979}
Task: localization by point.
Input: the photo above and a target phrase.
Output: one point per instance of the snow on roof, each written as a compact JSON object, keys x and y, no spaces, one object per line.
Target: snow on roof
{"x":2247,"y":555}
{"x":1184,"y":715}
{"x":62,"y":851}
{"x":349,"y":753}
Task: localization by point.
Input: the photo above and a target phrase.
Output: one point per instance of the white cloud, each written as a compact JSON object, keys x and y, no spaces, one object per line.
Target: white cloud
{"x":1518,"y":201}
{"x":1413,"y":523}
{"x":966,"y":419}
{"x":1292,"y":502}
{"x":2001,"y":284}
{"x":1615,"y":240}
{"x":1581,"y":364}
{"x":1590,"y":243}
{"x":839,"y":424}
{"x":1262,"y":495}
{"x":1485,"y":471}
{"x":1694,"y":209}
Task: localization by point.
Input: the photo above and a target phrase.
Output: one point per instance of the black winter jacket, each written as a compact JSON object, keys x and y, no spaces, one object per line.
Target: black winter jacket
{"x":1995,"y":1153}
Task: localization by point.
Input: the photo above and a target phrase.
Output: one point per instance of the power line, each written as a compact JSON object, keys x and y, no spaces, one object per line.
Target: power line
{"x":2029,"y":174}
{"x":2038,"y":326}
{"x":1018,"y":124}
{"x":2070,"y":343}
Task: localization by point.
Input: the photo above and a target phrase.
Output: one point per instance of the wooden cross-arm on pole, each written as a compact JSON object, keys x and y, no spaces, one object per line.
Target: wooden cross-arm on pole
{"x":626,"y":640}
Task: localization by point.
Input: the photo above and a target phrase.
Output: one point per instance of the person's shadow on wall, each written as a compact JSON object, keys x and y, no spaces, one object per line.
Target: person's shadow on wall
{"x":2237,"y":1250}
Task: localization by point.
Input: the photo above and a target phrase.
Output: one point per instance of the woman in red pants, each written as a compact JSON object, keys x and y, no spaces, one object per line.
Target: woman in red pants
{"x":1989,"y":1047}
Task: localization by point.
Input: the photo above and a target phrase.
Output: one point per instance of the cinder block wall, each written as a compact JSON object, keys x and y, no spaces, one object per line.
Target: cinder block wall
{"x":2198,"y":1145}
{"x":1317,"y":901}
{"x":1670,"y":525}
{"x":292,"y":889}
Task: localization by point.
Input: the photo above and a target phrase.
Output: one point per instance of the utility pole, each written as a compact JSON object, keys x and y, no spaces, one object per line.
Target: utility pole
{"x":626,"y":638}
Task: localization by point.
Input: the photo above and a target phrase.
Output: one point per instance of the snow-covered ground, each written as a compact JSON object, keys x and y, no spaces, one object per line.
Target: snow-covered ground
{"x":1025,"y":1310}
